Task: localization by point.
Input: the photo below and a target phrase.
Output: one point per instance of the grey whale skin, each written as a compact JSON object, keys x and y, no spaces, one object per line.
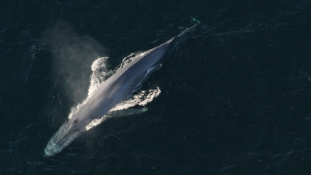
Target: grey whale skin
{"x":114,"y":90}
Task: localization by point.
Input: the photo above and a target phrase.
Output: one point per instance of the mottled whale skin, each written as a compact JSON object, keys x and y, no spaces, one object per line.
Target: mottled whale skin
{"x":114,"y":90}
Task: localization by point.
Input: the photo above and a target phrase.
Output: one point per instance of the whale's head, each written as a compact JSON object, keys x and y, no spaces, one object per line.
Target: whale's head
{"x":64,"y":136}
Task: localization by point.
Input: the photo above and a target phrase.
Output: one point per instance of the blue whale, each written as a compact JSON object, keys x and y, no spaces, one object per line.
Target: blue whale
{"x":114,"y":90}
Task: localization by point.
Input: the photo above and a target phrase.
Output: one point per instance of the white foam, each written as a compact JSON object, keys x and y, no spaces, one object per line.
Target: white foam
{"x":141,"y":99}
{"x":130,"y":58}
{"x":99,"y":74}
{"x":96,"y":122}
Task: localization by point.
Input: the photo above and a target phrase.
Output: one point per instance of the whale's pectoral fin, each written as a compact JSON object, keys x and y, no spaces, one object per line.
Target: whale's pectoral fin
{"x":127,"y":112}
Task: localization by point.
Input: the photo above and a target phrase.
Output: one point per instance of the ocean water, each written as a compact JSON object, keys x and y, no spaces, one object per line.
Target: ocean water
{"x":235,"y":96}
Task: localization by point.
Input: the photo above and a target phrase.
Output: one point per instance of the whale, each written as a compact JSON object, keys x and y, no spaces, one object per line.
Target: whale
{"x":117,"y":88}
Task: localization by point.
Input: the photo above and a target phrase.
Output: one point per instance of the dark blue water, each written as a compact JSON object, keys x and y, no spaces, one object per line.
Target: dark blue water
{"x":236,"y":96}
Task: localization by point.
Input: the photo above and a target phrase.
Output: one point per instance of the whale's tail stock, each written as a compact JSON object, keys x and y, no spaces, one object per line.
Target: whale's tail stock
{"x":196,"y":30}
